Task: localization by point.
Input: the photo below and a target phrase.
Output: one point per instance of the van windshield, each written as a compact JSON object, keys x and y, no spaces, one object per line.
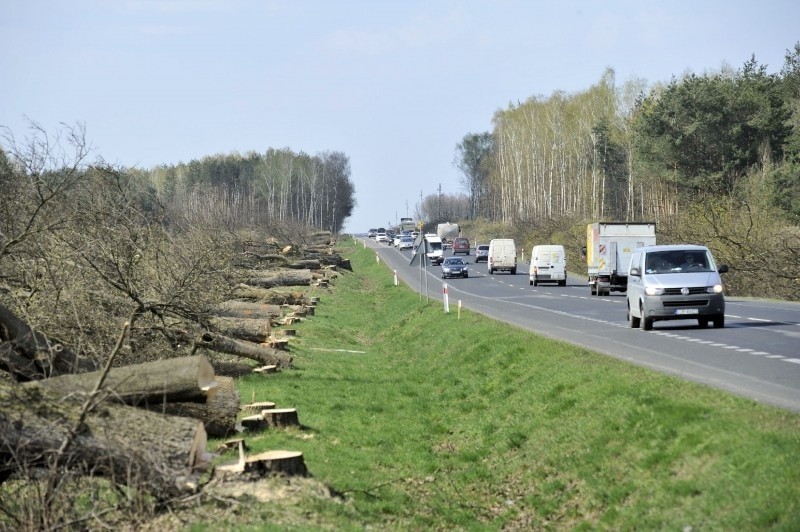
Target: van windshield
{"x":678,"y":261}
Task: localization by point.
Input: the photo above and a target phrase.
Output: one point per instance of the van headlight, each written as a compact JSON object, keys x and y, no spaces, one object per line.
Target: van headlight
{"x":716,"y":289}
{"x":653,"y":291}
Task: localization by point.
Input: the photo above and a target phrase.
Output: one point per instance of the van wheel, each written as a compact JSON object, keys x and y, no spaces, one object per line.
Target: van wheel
{"x":562,"y":283}
{"x":719,"y":321}
{"x":513,"y":271}
{"x":645,"y":323}
{"x":592,"y":290}
{"x":535,"y":283}
{"x":530,"y":282}
{"x":633,"y":321}
{"x":491,"y":271}
{"x":703,"y":322}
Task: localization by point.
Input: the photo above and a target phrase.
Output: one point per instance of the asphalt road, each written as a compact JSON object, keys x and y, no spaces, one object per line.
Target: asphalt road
{"x":756,"y":355}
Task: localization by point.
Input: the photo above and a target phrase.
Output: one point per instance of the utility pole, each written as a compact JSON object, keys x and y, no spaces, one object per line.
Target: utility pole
{"x":439,"y":203}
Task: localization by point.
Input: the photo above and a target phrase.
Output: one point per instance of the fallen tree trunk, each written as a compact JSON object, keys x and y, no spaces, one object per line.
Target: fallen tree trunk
{"x":161,"y":455}
{"x":218,"y":413}
{"x":244,"y":309}
{"x":49,"y":357}
{"x":185,"y":379}
{"x":305,"y":264}
{"x":268,"y":295}
{"x":281,"y":278}
{"x":257,"y":352}
{"x":252,"y":330}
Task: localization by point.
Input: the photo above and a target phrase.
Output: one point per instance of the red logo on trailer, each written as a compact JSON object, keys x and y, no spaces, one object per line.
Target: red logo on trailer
{"x":602,"y":249}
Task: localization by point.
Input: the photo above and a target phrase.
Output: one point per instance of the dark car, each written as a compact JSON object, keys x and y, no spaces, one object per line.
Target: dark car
{"x":454,"y":267}
{"x":482,"y":253}
{"x":461,"y":245}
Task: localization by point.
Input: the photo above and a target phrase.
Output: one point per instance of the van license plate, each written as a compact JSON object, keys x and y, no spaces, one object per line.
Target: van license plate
{"x":687,"y":311}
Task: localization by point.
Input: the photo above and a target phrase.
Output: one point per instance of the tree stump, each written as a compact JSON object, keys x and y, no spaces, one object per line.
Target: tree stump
{"x":254,"y":423}
{"x":257,"y":407}
{"x":280,"y":417}
{"x":268,"y":463}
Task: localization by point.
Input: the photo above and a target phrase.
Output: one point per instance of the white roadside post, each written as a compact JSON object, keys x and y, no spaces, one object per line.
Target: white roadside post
{"x":377,"y":258}
{"x":459,"y":309}
{"x":446,"y":299}
{"x":395,"y":277}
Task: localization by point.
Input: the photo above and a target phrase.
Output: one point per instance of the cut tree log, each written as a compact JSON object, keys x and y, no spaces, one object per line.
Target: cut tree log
{"x":184,"y":379}
{"x":248,"y":310}
{"x":250,"y":329}
{"x":281,"y":278}
{"x":218,"y":413}
{"x":49,"y":357}
{"x":161,"y":455}
{"x":305,"y":264}
{"x":268,"y":295}
{"x":257,"y":352}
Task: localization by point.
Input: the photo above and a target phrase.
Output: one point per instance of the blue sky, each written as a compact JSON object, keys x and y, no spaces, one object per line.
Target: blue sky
{"x":394,"y":85}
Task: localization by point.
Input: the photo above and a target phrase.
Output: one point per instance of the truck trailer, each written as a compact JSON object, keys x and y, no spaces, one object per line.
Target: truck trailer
{"x":609,"y":246}
{"x":447,"y":232}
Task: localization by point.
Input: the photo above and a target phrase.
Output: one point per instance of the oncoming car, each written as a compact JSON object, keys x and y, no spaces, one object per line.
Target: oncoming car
{"x":454,"y":267}
{"x":406,"y":242}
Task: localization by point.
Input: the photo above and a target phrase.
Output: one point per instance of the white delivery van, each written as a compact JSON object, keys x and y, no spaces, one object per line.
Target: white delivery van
{"x":677,"y":282}
{"x":548,"y":265}
{"x":502,"y":256}
{"x":435,"y":249}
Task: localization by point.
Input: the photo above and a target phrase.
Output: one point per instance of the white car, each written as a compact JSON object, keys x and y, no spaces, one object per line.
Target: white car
{"x":396,"y":241}
{"x":406,"y":243}
{"x":381,"y":237}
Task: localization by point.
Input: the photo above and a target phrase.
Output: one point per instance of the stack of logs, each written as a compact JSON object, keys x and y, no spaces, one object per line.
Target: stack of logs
{"x":62,"y":406}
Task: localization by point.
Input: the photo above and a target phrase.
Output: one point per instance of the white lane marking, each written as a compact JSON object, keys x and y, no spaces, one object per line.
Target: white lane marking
{"x":775,"y":356}
{"x":759,"y":319}
{"x":793,"y":360}
{"x":759,"y":353}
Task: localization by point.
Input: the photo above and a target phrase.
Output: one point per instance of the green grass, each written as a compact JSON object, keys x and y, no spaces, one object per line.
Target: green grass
{"x":446,"y":423}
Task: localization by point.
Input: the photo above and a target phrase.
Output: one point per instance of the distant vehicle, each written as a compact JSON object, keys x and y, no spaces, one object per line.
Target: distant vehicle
{"x":381,"y":237}
{"x":447,"y":232}
{"x":678,"y":282}
{"x":406,"y":242}
{"x":460,"y":245}
{"x":435,"y":252}
{"x":372,"y":233}
{"x":548,"y":265}
{"x":482,"y":253}
{"x":454,"y":267}
{"x":609,"y":246}
{"x":502,"y":256}
{"x":407,"y":224}
{"x":396,"y":240}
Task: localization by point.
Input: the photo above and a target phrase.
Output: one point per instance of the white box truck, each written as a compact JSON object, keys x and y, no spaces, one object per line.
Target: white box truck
{"x":609,"y":246}
{"x":502,"y":256}
{"x":548,"y":265}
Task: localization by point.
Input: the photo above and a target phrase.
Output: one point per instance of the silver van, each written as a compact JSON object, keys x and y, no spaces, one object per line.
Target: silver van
{"x":678,"y":282}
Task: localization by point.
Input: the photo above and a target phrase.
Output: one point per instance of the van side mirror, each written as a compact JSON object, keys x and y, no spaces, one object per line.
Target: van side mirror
{"x":635,"y":272}
{"x":723,"y":268}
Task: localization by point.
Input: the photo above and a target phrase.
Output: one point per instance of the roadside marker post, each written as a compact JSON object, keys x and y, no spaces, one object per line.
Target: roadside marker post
{"x":459,"y":309}
{"x":377,"y":258}
{"x":446,"y":299}
{"x":395,"y":277}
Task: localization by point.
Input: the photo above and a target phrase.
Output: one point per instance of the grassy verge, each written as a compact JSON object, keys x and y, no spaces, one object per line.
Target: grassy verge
{"x":421,"y":420}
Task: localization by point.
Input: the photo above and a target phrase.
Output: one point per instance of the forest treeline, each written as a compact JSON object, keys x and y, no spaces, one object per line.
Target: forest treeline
{"x":277,"y":186}
{"x":711,"y":158}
